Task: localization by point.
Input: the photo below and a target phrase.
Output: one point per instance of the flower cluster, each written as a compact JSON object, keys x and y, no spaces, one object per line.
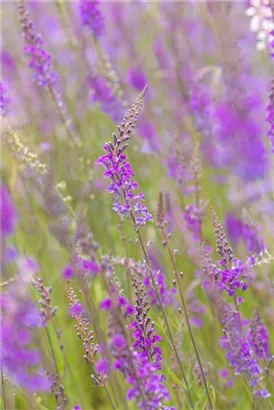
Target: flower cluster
{"x":20,"y":361}
{"x":141,"y":363}
{"x":8,"y":213}
{"x":259,"y":337}
{"x":239,"y":229}
{"x":103,"y":94}
{"x":193,"y":220}
{"x":240,"y":353}
{"x":40,"y":59}
{"x":4,"y":100}
{"x":237,"y":276}
{"x":120,"y":172}
{"x":91,"y":16}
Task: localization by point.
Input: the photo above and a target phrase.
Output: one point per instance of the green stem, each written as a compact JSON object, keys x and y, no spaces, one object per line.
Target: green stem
{"x":176,"y":273}
{"x":162,"y":308}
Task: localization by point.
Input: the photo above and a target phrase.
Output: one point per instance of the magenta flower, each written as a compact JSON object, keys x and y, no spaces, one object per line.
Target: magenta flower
{"x":103,"y":94}
{"x":76,"y":309}
{"x":137,"y":78}
{"x":102,"y":367}
{"x":122,"y":186}
{"x":8,"y":213}
{"x":40,"y":60}
{"x":239,"y":230}
{"x":259,"y":337}
{"x":4,"y":101}
{"x":91,"y":16}
{"x":68,"y":272}
{"x":19,"y":359}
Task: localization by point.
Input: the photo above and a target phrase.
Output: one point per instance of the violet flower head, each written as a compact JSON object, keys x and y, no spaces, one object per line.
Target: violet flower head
{"x":40,"y":59}
{"x":239,"y":230}
{"x":259,"y":337}
{"x":240,"y":352}
{"x":192,"y":218}
{"x":4,"y":101}
{"x":147,"y":355}
{"x":8,"y":213}
{"x":137,"y":78}
{"x":20,"y":361}
{"x":91,"y":16}
{"x":103,"y":94}
{"x":120,"y":172}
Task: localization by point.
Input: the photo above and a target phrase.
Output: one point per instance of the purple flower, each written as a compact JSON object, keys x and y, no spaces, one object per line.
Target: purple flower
{"x":240,"y":352}
{"x":68,"y":272}
{"x":103,"y":94}
{"x":239,"y":230}
{"x":193,"y":220}
{"x":91,"y":16}
{"x":118,"y":341}
{"x":40,"y":59}
{"x":122,"y":186}
{"x":19,"y":359}
{"x":8,"y":213}
{"x":102,"y":367}
{"x":270,"y":115}
{"x":259,"y":337}
{"x":137,"y":78}
{"x":90,"y":265}
{"x":77,"y":407}
{"x":4,"y":101}
{"x":106,"y":304}
{"x":76,"y":309}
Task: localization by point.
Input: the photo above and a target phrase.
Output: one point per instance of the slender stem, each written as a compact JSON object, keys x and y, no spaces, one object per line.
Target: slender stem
{"x":238,"y":311}
{"x":162,"y":308}
{"x":176,"y":273}
{"x":109,"y":397}
{"x":68,"y":366}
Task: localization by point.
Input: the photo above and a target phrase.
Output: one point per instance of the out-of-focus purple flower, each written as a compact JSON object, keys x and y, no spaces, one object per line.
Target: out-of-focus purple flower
{"x":19,"y":360}
{"x":270,"y":115}
{"x":147,"y":130}
{"x":68,"y":272}
{"x":167,"y":295}
{"x":89,"y":265}
{"x":259,"y":337}
{"x":76,"y":309}
{"x":4,"y":101}
{"x":106,"y":304}
{"x":193,"y":220}
{"x":8,"y":213}
{"x":118,"y":341}
{"x":137,"y":78}
{"x":102,"y":367}
{"x":40,"y":59}
{"x":102,"y":94}
{"x":77,"y":407}
{"x":10,"y":254}
{"x":46,"y":146}
{"x":238,"y":230}
{"x":92,"y":17}
{"x":224,"y":373}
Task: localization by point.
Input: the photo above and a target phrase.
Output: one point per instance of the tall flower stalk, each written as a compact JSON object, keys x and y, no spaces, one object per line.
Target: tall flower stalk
{"x":40,"y":61}
{"x":128,"y":204}
{"x":161,"y":225}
